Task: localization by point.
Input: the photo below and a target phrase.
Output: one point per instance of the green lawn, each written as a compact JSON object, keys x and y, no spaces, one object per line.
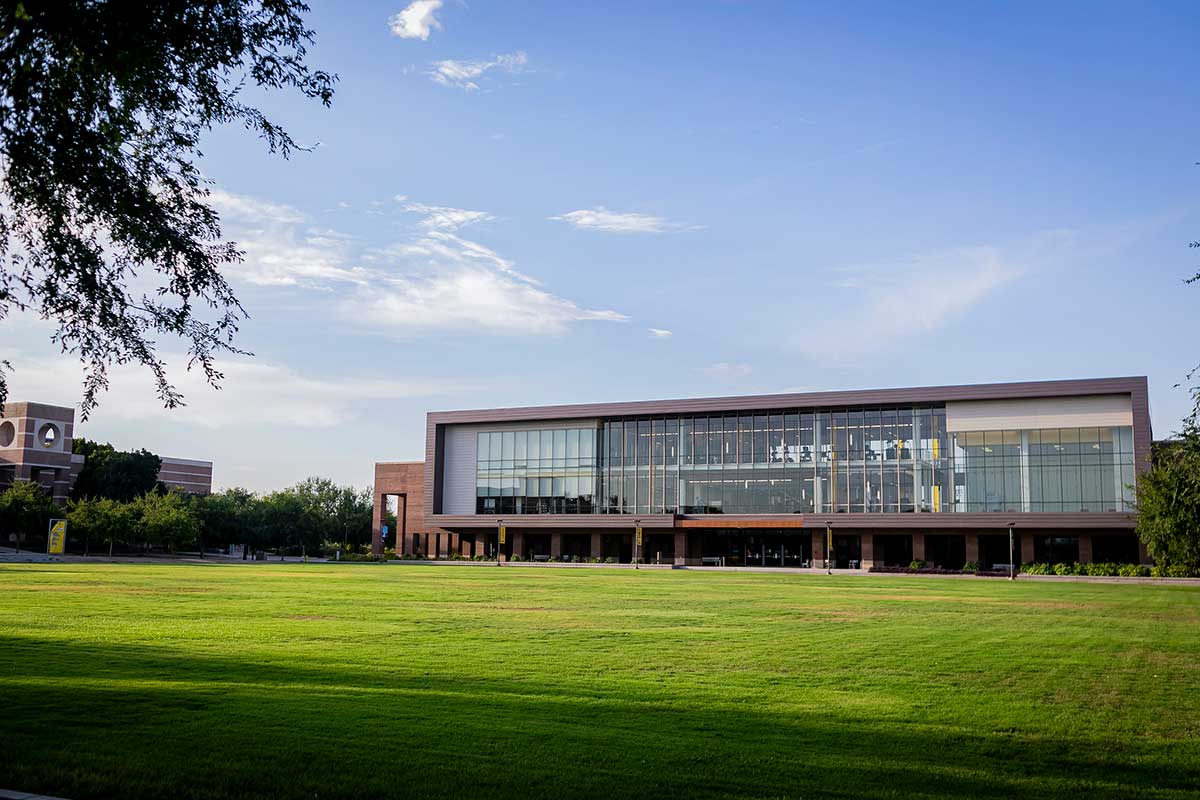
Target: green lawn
{"x":360,"y":680}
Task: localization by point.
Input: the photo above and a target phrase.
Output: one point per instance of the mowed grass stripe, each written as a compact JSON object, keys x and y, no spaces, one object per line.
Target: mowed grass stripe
{"x":284,"y":680}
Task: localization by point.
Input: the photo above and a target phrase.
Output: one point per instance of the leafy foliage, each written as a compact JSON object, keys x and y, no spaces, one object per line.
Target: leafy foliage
{"x":102,"y":109}
{"x":1168,"y":501}
{"x":103,"y":519}
{"x":167,"y":520}
{"x":25,"y":510}
{"x":114,"y":474}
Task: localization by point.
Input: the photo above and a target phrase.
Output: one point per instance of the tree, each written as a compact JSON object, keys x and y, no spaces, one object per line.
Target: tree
{"x":102,"y":109}
{"x":344,"y":512}
{"x":25,"y":510}
{"x":103,"y":519}
{"x":114,"y":474}
{"x":228,"y":517}
{"x":287,"y":519}
{"x":1168,"y":501}
{"x":167,"y":520}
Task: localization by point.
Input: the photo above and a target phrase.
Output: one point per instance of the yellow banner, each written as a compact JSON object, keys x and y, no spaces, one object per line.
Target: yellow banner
{"x":58,"y":537}
{"x":503,"y":530}
{"x":639,"y":537}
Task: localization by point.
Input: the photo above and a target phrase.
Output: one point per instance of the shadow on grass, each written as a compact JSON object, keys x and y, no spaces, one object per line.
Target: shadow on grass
{"x":77,"y":723}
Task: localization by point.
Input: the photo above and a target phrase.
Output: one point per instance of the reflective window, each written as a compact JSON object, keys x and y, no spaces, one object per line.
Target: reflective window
{"x":867,"y":460}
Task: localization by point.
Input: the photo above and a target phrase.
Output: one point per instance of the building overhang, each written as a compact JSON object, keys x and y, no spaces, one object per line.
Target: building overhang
{"x":958,"y":522}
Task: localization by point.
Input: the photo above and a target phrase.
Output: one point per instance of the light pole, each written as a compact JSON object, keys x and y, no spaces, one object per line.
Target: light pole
{"x":637,"y":535}
{"x":829,"y":547}
{"x":1012,"y":572}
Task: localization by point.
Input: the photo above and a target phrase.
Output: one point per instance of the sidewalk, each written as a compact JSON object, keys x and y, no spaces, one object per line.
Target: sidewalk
{"x":9,"y":794}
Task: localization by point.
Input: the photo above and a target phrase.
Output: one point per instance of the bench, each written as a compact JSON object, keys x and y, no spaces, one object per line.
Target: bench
{"x":715,"y":561}
{"x":541,"y":558}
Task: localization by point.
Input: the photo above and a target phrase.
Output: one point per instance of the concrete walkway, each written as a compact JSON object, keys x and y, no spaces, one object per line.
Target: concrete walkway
{"x":9,"y":794}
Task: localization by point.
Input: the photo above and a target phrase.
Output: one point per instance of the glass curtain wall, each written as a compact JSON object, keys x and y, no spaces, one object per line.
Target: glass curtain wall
{"x":548,"y":471}
{"x":882,"y":460}
{"x":780,"y":462}
{"x":1058,"y":469}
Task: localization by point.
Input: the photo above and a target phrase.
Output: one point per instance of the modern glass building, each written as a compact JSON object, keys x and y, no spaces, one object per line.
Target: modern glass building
{"x":886,"y":476}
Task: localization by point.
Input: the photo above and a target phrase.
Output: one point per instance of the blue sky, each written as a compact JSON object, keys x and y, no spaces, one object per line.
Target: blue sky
{"x":529,"y":203}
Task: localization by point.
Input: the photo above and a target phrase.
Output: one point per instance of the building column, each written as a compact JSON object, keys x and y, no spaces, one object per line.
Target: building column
{"x":1026,"y":548}
{"x":597,"y":545}
{"x":681,"y":553}
{"x":818,"y":548}
{"x":918,"y":543}
{"x":518,"y":544}
{"x":556,"y":545}
{"x":866,"y":555}
{"x":972,"y":547}
{"x":1085,"y":548}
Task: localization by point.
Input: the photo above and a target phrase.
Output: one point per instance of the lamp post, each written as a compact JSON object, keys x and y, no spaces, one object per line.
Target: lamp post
{"x":637,"y":535}
{"x":1012,"y":573}
{"x":828,"y":547}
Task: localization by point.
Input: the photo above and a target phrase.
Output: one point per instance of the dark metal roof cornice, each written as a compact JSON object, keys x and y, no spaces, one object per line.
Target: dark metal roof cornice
{"x":925,"y":394}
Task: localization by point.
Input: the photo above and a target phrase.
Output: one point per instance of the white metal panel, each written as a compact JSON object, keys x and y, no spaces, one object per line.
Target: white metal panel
{"x":458,"y":470}
{"x":458,"y":465}
{"x":1086,"y":411}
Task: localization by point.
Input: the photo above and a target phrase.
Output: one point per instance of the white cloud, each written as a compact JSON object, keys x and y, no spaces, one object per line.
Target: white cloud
{"x":443,"y":217}
{"x":466,"y":74}
{"x":416,"y":21}
{"x":659,"y":333}
{"x":924,"y":292}
{"x":601,"y":219}
{"x":435,"y":279}
{"x":254,"y":393}
{"x":281,"y":249}
{"x":240,"y":208}
{"x":473,"y":300}
{"x":725,"y":370}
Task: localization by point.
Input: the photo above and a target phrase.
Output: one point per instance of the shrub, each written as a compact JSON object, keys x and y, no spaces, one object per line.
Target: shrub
{"x":971,"y":566}
{"x":514,"y":557}
{"x":610,"y":560}
{"x":1172,"y":571}
{"x":916,"y":565}
{"x":1036,"y":569}
{"x":1133,"y":571}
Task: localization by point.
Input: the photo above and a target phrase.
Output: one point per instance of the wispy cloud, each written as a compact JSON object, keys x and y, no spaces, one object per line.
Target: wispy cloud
{"x":435,"y":278}
{"x":922,"y":293}
{"x":439,"y":280}
{"x":245,"y":210}
{"x":282,"y":247}
{"x":444,"y":217}
{"x":659,"y":333}
{"x":254,"y":393}
{"x":416,"y":21}
{"x":466,"y":75}
{"x":600,"y":218}
{"x":469,"y":300}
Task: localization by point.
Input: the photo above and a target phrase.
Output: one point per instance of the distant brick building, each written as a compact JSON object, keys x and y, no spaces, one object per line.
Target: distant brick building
{"x":35,"y":445}
{"x":36,"y":442}
{"x":186,"y":475}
